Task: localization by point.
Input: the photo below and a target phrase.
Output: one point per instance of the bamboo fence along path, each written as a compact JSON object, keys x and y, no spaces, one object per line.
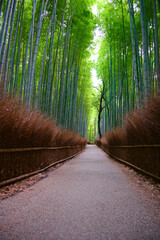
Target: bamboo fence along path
{"x":23,"y":162}
{"x":144,"y":158}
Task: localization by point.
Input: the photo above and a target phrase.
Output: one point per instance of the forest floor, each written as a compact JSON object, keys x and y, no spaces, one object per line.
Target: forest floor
{"x":89,"y":197}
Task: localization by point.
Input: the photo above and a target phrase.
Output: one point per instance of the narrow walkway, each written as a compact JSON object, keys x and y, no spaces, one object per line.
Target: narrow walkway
{"x":88,"y":198}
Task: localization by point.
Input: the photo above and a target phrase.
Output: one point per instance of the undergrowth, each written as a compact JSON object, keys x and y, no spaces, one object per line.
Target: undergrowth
{"x":20,"y":128}
{"x":141,"y":127}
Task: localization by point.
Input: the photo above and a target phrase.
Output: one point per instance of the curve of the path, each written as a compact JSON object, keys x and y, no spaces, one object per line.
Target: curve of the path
{"x":88,"y":198}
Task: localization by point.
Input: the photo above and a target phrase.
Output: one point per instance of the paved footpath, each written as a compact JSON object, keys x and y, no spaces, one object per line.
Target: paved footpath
{"x":88,"y":198}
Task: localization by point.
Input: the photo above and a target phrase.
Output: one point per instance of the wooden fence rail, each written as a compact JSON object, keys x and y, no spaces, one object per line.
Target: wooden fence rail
{"x":20,"y":163}
{"x":144,"y":158}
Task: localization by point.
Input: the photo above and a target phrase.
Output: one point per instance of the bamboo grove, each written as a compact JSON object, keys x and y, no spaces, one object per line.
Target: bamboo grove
{"x":44,"y":57}
{"x":45,"y":48}
{"x":128,"y":62}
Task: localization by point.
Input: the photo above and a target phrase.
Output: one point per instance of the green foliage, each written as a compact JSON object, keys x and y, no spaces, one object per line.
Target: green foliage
{"x":126,"y":62}
{"x":48,"y":64}
{"x":45,"y":51}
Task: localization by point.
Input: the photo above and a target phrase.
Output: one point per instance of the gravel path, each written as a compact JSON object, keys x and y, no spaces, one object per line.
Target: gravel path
{"x":88,"y":198}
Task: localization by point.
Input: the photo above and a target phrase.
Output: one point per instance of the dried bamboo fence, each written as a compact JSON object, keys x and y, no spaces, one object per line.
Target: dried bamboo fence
{"x":17,"y":164}
{"x":144,"y":158}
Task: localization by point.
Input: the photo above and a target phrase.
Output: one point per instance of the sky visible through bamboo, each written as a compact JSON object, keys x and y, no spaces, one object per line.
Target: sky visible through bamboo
{"x":94,"y":56}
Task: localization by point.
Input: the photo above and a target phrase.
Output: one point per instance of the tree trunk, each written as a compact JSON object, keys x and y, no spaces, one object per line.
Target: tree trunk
{"x":156,"y":44}
{"x":99,"y":114}
{"x":145,"y":48}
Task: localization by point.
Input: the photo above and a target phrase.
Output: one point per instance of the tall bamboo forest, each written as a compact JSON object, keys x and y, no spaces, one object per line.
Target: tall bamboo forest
{"x":45,"y":59}
{"x":128,"y":61}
